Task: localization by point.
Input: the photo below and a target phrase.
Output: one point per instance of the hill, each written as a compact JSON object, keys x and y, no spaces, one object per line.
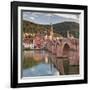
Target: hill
{"x":59,"y":28}
{"x":63,"y":27}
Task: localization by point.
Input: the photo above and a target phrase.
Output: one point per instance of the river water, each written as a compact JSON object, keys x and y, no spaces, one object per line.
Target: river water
{"x":43,"y":63}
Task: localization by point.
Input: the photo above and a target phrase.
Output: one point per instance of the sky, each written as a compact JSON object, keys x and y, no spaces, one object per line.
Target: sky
{"x":49,"y":18}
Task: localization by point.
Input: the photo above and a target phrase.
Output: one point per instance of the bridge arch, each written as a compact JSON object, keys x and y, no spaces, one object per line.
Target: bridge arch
{"x":66,"y":49}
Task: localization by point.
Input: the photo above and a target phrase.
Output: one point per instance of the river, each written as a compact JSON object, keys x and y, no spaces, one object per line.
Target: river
{"x":43,"y":63}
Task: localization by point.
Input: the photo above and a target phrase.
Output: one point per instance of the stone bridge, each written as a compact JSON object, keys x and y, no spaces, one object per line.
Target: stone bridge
{"x":65,"y":48}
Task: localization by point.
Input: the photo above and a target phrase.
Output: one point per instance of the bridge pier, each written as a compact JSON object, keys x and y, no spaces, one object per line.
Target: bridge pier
{"x":59,"y":51}
{"x":74,"y":58}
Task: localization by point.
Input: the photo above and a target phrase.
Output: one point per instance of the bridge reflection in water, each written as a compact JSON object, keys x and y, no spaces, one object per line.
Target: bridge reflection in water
{"x":44,"y":63}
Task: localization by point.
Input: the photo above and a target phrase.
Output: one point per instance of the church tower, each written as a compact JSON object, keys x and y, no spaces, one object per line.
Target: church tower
{"x":51,"y":32}
{"x":68,"y":35}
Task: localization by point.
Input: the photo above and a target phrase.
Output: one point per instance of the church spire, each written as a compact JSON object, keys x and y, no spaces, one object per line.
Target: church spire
{"x":51,"y":27}
{"x":51,"y":32}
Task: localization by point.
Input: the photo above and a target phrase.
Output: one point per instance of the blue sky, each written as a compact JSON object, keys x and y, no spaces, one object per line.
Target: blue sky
{"x":48,"y":18}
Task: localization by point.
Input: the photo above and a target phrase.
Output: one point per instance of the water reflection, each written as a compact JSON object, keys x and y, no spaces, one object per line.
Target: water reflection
{"x":37,"y":63}
{"x":43,"y":63}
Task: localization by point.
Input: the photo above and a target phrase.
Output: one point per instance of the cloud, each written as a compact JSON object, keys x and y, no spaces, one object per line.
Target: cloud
{"x":70,"y":16}
{"x":48,"y":14}
{"x":28,"y":16}
{"x":67,"y":17}
{"x":47,"y":18}
{"x":32,"y":18}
